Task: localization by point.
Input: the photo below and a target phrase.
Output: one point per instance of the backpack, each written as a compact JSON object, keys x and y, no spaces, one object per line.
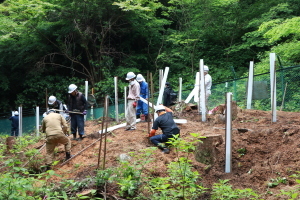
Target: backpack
{"x":173,"y":97}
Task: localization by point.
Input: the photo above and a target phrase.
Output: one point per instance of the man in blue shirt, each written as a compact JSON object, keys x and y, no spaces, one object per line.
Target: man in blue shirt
{"x":15,"y":124}
{"x":142,"y":108}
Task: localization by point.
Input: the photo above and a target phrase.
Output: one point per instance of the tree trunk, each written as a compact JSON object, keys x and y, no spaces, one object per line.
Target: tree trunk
{"x":206,"y":152}
{"x":10,"y":142}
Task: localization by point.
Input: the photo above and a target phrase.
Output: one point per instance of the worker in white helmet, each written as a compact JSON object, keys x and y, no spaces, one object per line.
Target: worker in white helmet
{"x":54,"y":103}
{"x":165,"y":122}
{"x":56,"y":129}
{"x":132,"y":98}
{"x":142,"y":108}
{"x":77,"y":103}
{"x":208,"y":83}
{"x":14,"y":124}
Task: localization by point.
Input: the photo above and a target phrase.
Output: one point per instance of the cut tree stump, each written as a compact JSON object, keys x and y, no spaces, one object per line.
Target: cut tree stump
{"x":10,"y":142}
{"x":206,"y":152}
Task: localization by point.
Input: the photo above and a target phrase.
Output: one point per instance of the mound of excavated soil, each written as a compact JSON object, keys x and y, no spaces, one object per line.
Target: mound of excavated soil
{"x":272,"y":149}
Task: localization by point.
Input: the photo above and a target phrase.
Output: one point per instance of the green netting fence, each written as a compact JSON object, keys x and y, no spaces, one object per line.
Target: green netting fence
{"x":29,"y":122}
{"x":287,"y":96}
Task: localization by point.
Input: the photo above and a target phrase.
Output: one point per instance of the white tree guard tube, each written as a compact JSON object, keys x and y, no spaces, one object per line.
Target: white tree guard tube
{"x":146,"y":102}
{"x":116,"y":99}
{"x":125,"y":99}
{"x":195,"y":91}
{"x":162,"y":88}
{"x":273,"y":86}
{"x":37,"y":122}
{"x":202,"y":91}
{"x":180,"y":90}
{"x":250,"y":86}
{"x":20,"y":121}
{"x":86,"y":93}
{"x":228,"y":139}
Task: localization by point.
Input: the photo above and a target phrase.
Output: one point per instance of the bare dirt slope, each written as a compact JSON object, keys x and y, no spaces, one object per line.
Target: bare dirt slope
{"x":272,"y":149}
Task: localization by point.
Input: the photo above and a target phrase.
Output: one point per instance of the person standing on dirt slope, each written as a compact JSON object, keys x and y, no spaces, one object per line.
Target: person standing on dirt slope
{"x":14,"y":124}
{"x":56,"y":129}
{"x":132,"y":98}
{"x":142,"y":108}
{"x":168,"y":126}
{"x":167,"y":95}
{"x":208,"y":83}
{"x":77,"y":103}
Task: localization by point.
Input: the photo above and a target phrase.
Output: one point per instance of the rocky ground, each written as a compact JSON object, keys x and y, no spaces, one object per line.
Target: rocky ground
{"x":262,"y":150}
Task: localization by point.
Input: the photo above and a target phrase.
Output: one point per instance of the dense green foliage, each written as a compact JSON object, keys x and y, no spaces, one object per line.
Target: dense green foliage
{"x":45,"y":44}
{"x":131,"y":177}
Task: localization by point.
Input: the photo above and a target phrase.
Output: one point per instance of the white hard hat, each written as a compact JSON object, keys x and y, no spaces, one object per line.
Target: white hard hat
{"x":160,"y":108}
{"x":16,"y":113}
{"x":51,"y":100}
{"x":140,"y":78}
{"x":72,"y":88}
{"x":130,"y":75}
{"x":205,"y":68}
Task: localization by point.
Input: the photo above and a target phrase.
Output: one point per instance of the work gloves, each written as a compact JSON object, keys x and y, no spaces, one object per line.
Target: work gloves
{"x":84,"y":112}
{"x":152,"y":132}
{"x":134,"y":104}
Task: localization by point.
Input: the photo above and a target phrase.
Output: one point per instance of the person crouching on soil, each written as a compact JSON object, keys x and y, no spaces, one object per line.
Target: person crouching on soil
{"x":56,"y":129}
{"x":166,"y":123}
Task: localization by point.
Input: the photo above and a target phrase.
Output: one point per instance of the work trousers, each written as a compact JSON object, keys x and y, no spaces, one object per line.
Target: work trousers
{"x":130,"y":115}
{"x":158,"y":140}
{"x":14,"y":132}
{"x":77,"y":122}
{"x":51,"y":143}
{"x":207,"y":94}
{"x":142,"y":108}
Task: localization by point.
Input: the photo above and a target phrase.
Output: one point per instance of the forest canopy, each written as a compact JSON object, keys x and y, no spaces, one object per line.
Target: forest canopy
{"x":51,"y":44}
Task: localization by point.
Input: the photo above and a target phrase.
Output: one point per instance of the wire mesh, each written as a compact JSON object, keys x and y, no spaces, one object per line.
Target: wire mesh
{"x":287,"y":96}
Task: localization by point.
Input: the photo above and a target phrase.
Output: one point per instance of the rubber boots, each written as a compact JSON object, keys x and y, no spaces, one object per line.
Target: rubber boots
{"x":74,"y":136}
{"x":164,"y":149}
{"x":80,"y":137}
{"x":68,"y":155}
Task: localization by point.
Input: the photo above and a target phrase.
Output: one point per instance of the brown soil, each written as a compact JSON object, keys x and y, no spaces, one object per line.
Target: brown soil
{"x":272,"y":149}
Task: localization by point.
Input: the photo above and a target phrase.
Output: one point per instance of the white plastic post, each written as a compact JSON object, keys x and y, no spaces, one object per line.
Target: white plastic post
{"x":161,"y":74}
{"x":162,"y":88}
{"x":202,"y":91}
{"x":37,"y":117}
{"x":116,"y":98}
{"x":86,"y":93}
{"x":228,"y":140}
{"x":197,"y":87}
{"x":180,"y":90}
{"x":273,"y":85}
{"x":250,"y":85}
{"x":125,"y":99}
{"x":20,"y":121}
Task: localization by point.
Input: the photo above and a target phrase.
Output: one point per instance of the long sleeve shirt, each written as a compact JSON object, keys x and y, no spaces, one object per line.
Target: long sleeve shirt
{"x":144,"y":90}
{"x":207,"y":82}
{"x":54,"y":124}
{"x":134,"y":91}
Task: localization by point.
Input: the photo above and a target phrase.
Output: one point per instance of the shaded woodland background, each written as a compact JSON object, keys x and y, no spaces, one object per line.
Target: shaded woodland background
{"x":51,"y":44}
